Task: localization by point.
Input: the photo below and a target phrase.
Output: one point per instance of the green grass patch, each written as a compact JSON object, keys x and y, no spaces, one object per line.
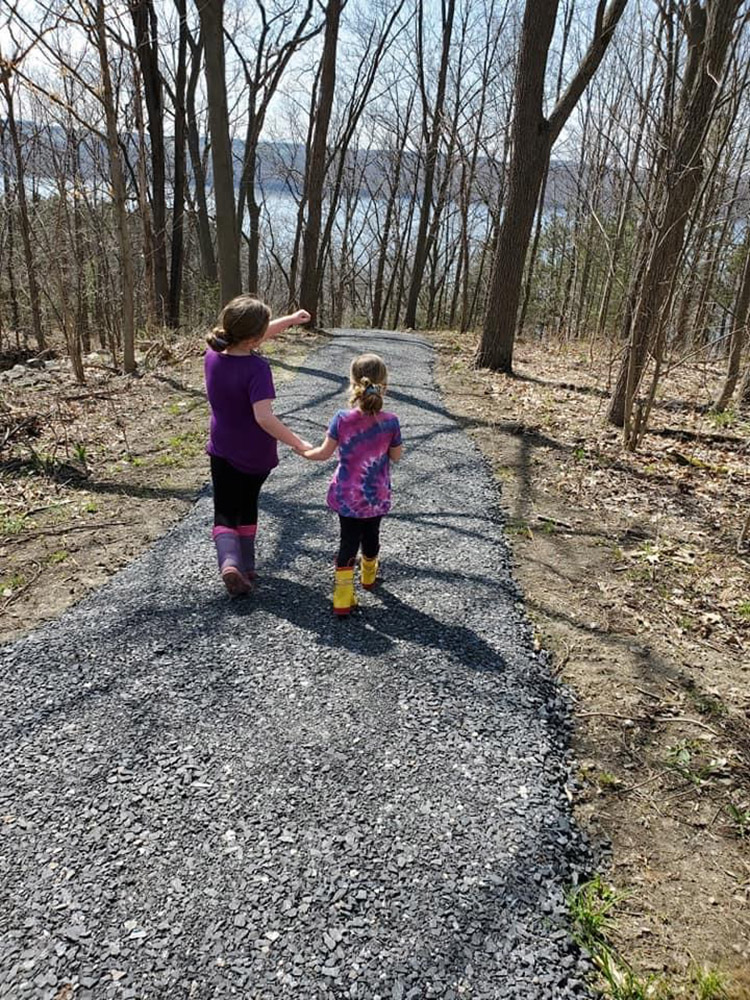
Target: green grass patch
{"x":708,"y":704}
{"x":739,"y":817}
{"x":724,"y":418}
{"x":608,"y":781}
{"x":11,"y":583}
{"x":710,"y":984}
{"x":519,"y":526}
{"x":190,"y":444}
{"x":591,"y":907}
{"x":13,"y":524}
{"x":687,"y":758}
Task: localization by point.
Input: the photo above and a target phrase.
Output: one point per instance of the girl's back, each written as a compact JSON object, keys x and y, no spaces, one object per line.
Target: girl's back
{"x":233,"y":384}
{"x":361,"y":485}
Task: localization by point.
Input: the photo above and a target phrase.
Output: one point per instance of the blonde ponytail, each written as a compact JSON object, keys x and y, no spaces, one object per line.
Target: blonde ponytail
{"x":368,"y":377}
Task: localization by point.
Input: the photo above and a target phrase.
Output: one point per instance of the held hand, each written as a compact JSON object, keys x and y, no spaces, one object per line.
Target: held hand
{"x":301,"y":317}
{"x":302,"y":447}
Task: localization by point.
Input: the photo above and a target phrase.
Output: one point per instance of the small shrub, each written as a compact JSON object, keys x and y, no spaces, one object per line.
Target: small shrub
{"x":710,"y":984}
{"x":740,"y":818}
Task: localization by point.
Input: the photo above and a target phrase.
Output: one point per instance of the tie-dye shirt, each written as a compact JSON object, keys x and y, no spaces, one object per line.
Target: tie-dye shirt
{"x":361,"y":485}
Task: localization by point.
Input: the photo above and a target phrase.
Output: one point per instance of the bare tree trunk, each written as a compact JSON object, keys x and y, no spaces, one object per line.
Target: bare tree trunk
{"x":212,"y":28}
{"x":710,"y":33}
{"x":177,"y":259}
{"x":205,"y":242}
{"x":83,"y":329}
{"x":743,"y":399}
{"x":316,"y":163}
{"x":141,"y":173}
{"x":740,"y":317}
{"x":626,"y":202}
{"x":263,"y":75}
{"x":145,"y":26}
{"x":432,"y":135}
{"x":23,"y":207}
{"x":118,"y":193}
{"x":540,"y":208}
{"x":14,"y":310}
{"x":532,"y":138}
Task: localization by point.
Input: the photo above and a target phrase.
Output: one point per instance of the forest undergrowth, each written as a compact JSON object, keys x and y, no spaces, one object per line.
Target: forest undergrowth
{"x":633,"y":579}
{"x":91,"y":474}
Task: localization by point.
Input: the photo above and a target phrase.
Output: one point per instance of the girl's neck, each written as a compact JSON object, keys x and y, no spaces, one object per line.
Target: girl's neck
{"x":242,"y":349}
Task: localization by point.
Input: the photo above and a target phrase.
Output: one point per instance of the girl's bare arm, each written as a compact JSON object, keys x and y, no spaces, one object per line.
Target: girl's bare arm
{"x":265,"y":418}
{"x":277,"y":326}
{"x":396,"y":452}
{"x":323,"y":451}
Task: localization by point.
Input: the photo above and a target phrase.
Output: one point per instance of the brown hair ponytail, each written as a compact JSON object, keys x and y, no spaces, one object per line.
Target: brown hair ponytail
{"x":368,"y":377}
{"x":243,"y":318}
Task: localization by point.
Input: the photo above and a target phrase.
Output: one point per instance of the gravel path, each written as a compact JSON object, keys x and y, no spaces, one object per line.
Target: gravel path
{"x":205,"y":798}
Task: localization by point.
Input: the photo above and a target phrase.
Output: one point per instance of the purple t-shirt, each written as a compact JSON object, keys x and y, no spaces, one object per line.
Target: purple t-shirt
{"x":233,"y":383}
{"x":361,"y":484}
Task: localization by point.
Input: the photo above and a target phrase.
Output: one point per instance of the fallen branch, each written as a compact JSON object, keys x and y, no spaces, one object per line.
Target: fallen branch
{"x":62,"y":530}
{"x":647,"y":718}
{"x":49,"y":506}
{"x":685,"y":719}
{"x":554,"y":520}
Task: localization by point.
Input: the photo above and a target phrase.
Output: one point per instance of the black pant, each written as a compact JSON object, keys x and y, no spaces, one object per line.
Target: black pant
{"x":356,"y":531}
{"x":235,"y":494}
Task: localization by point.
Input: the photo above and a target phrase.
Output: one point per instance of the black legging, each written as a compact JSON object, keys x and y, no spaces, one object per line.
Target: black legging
{"x":356,"y":531}
{"x":235,"y":494}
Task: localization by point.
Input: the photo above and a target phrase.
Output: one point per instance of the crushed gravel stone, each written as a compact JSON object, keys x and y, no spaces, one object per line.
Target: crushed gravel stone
{"x":206,"y":798}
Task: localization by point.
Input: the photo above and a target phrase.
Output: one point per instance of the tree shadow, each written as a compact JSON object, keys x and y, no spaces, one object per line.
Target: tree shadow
{"x":668,"y":405}
{"x":179,"y":386}
{"x":74,"y":478}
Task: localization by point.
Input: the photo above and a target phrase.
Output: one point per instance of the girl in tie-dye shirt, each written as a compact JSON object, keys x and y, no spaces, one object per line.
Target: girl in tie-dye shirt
{"x":368,"y":439}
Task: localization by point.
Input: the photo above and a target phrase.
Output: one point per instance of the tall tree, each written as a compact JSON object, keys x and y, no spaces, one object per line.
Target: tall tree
{"x":205,"y":241}
{"x":310,"y":278}
{"x":145,"y":26}
{"x":180,"y":178}
{"x":740,"y":317}
{"x":432,"y":129}
{"x":23,"y":205}
{"x":263,"y":73}
{"x":211,"y":13}
{"x":119,"y":194}
{"x":532,"y":137}
{"x":709,"y":27}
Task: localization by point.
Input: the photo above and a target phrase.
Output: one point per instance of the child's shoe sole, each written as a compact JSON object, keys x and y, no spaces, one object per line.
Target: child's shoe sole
{"x":236,"y":583}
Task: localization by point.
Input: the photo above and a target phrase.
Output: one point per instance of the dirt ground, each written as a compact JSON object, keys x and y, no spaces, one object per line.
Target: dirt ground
{"x":90,"y":475}
{"x":630,"y":568}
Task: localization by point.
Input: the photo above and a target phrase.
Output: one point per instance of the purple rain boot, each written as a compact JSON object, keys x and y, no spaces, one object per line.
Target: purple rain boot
{"x":247,"y":549}
{"x":229,"y":554}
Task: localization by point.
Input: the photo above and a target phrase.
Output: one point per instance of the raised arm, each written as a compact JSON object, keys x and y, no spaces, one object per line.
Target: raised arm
{"x":323,"y":451}
{"x":265,"y":418}
{"x":277,"y":326}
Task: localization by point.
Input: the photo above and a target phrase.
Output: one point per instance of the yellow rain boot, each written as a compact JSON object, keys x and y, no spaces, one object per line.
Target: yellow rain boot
{"x":368,"y":572}
{"x":343,"y":592}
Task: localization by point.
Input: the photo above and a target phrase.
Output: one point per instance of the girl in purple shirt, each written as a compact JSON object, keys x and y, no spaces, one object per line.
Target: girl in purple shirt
{"x":244,"y":430}
{"x":368,"y":440}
